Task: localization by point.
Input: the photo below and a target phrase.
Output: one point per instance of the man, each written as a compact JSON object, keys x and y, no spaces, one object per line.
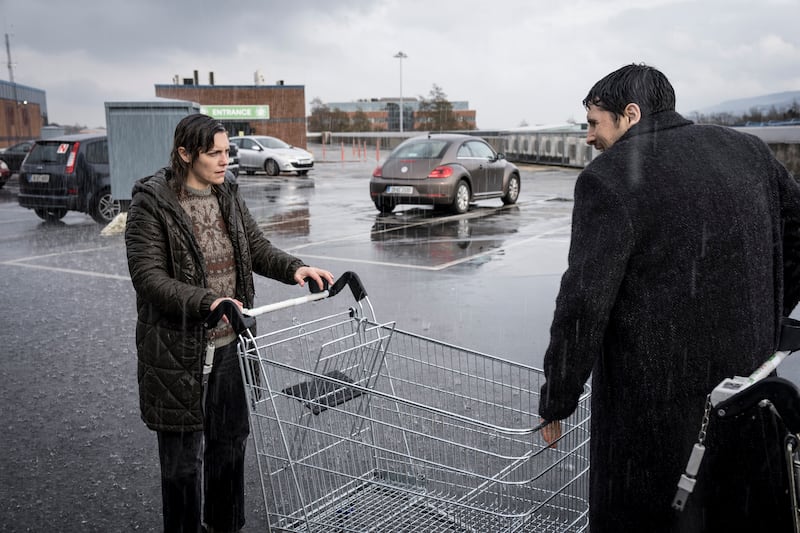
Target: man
{"x":675,"y":282}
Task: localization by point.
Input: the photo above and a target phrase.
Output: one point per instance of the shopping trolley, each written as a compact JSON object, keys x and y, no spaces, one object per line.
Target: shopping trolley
{"x":360,"y":426}
{"x":733,"y":396}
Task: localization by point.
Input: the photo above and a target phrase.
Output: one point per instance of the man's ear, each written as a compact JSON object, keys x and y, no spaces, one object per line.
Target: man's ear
{"x":633,"y":113}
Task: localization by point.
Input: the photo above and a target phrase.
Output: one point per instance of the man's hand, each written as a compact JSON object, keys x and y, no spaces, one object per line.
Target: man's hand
{"x":551,"y":432}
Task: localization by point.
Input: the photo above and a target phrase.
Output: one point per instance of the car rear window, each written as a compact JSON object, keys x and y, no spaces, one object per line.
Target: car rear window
{"x":97,"y":152}
{"x":428,"y":149}
{"x":49,"y":152}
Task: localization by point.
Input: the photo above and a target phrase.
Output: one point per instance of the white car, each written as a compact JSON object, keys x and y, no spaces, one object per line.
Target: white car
{"x":272,"y":155}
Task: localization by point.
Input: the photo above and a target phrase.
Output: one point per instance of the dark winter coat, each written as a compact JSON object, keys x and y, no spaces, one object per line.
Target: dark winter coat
{"x":168,"y":273}
{"x":675,"y":282}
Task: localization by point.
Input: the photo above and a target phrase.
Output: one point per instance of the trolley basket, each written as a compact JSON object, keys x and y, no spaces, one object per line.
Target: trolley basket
{"x":360,"y":426}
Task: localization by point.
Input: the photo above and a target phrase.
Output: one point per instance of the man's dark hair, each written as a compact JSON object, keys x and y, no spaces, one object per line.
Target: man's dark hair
{"x":633,"y":84}
{"x":195,"y":133}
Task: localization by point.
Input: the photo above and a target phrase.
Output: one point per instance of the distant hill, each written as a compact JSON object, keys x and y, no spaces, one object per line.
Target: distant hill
{"x":742,"y":106}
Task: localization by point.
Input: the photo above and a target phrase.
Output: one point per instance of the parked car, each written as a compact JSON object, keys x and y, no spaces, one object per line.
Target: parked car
{"x":233,"y":160}
{"x":68,"y":173}
{"x":272,"y":155}
{"x":5,"y":173}
{"x":444,"y":170}
{"x":15,"y":154}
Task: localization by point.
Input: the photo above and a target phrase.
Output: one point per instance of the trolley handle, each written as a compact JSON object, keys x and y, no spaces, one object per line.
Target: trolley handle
{"x":735,"y":395}
{"x":236,"y":319}
{"x":780,"y":392}
{"x":790,"y":335}
{"x":789,"y":342}
{"x":350,"y":279}
{"x":244,"y":319}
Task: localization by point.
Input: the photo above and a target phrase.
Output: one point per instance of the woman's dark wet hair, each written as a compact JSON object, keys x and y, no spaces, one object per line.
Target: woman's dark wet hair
{"x":633,"y":84}
{"x":195,"y":133}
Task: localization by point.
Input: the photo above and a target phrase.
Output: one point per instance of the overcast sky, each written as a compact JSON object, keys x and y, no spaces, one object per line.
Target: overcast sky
{"x":512,"y":60}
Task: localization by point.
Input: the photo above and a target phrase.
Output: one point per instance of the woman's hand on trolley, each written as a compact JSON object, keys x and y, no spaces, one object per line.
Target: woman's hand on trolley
{"x":216,"y":302}
{"x":318,"y":275}
{"x":551,"y":432}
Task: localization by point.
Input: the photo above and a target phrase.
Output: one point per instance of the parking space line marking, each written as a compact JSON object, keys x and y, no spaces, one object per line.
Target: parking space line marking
{"x":422,"y":222}
{"x":24,"y":262}
{"x":56,"y":254}
{"x":66,"y":270}
{"x":443,"y":266}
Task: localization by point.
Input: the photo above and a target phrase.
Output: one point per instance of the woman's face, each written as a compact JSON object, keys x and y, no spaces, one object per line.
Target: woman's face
{"x":208,"y":168}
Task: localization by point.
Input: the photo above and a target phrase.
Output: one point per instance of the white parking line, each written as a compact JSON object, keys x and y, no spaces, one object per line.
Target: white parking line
{"x":67,"y":271}
{"x":25,"y":262}
{"x":28,"y":262}
{"x":440,"y":266}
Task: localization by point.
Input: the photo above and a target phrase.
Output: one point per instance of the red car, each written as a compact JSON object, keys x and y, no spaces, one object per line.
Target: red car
{"x":15,"y":154}
{"x":5,"y":173}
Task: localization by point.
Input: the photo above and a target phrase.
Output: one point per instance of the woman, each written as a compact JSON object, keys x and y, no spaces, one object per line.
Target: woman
{"x":191,"y":243}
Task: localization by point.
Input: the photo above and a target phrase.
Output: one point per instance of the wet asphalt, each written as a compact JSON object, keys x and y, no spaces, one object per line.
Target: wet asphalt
{"x":74,"y":454}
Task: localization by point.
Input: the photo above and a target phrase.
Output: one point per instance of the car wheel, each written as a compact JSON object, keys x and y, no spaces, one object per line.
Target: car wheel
{"x":271,"y":167}
{"x":385,"y":206}
{"x":105,"y":208}
{"x":512,"y":190}
{"x":50,"y":215}
{"x":461,"y":202}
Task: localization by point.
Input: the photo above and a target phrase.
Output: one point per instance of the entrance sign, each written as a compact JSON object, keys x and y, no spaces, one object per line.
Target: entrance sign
{"x":236,"y":112}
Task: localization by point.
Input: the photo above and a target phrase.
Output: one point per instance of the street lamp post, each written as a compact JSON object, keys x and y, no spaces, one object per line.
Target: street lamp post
{"x":401,"y":56}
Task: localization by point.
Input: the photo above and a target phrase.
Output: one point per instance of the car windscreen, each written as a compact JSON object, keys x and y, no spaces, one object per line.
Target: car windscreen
{"x":270,"y":142}
{"x":427,"y":149}
{"x":49,"y":152}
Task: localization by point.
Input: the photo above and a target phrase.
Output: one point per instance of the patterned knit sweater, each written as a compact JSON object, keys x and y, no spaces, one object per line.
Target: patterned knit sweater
{"x":215,"y":243}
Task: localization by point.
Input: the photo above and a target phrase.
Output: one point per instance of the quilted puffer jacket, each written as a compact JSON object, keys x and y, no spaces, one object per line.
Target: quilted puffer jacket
{"x":168,"y":273}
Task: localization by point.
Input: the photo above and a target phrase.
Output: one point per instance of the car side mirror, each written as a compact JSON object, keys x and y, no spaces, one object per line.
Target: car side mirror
{"x":500,"y":156}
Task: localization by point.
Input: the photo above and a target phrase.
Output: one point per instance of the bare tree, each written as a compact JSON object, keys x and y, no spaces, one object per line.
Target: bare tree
{"x":436,"y":113}
{"x":325,"y":119}
{"x":360,"y":121}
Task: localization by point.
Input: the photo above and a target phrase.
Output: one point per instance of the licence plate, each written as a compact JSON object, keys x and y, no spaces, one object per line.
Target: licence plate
{"x":39,"y":178}
{"x":395,"y":189}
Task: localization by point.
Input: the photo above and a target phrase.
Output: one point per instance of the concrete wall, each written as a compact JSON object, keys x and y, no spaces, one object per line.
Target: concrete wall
{"x":789,"y":155}
{"x":510,"y":143}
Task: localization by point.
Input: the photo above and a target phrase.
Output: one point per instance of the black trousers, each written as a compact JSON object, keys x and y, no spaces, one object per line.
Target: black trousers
{"x":203,"y":471}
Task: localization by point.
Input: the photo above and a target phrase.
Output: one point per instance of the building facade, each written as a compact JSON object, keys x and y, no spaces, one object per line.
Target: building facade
{"x":384,"y":113}
{"x":23,"y":112}
{"x":275,"y":110}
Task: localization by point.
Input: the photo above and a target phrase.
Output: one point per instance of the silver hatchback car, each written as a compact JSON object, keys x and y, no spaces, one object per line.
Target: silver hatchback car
{"x":444,"y":170}
{"x":272,"y":155}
